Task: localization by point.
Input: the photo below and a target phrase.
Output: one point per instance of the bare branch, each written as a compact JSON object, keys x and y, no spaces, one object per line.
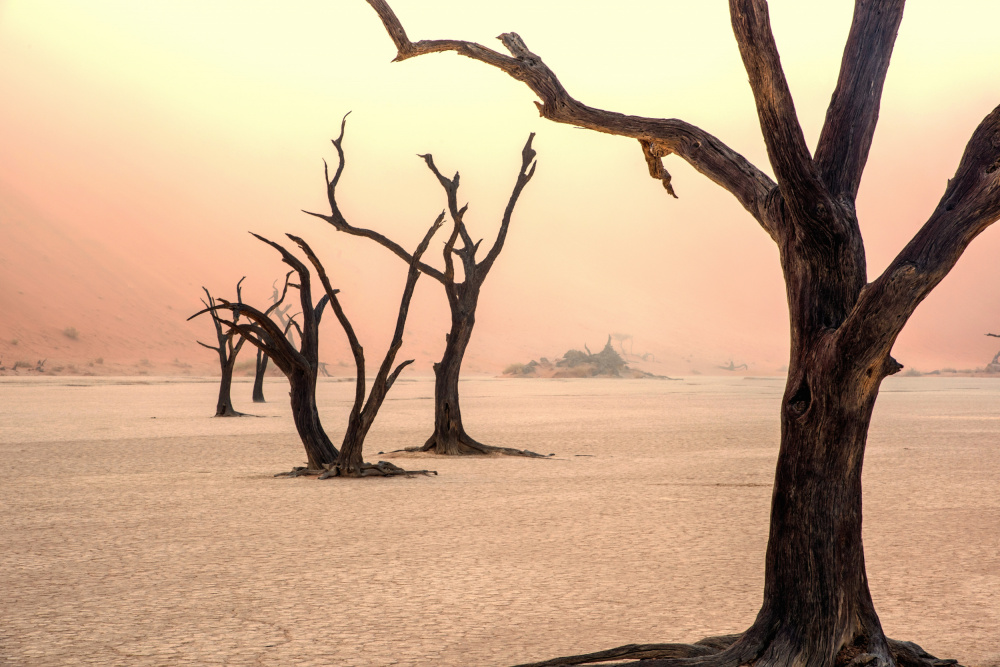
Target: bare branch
{"x":528,"y":165}
{"x":395,"y":374}
{"x":654,"y":161}
{"x":458,"y":229}
{"x":278,"y":301}
{"x":308,"y":330}
{"x":970,"y":204}
{"x":786,"y":145}
{"x":356,"y":350}
{"x":853,"y":113}
{"x":340,"y":223}
{"x":701,"y":150}
{"x":382,"y":383}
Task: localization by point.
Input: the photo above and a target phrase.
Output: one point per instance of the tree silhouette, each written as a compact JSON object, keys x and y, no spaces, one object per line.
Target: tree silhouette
{"x":463,"y":291}
{"x":227,"y":347}
{"x":301,"y":366}
{"x":817,"y":609}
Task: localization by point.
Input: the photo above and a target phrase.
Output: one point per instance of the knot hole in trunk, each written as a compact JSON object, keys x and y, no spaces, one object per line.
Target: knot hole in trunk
{"x":801,"y":400}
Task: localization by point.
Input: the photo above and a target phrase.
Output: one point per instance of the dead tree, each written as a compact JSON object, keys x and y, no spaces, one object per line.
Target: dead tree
{"x":817,"y":609}
{"x":449,"y":435}
{"x":258,"y":378}
{"x":301,"y":366}
{"x":229,"y":345}
{"x":262,"y":358}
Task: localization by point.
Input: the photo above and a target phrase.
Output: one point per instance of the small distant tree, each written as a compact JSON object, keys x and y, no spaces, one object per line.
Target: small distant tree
{"x":301,"y":366}
{"x":262,"y":358}
{"x":449,"y":436}
{"x":227,"y":347}
{"x":260,"y":369}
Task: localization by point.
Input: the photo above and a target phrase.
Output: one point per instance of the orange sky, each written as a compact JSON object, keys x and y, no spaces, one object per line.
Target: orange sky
{"x":155,"y":134}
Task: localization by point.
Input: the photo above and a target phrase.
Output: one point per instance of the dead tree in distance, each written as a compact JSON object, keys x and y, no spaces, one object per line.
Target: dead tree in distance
{"x":817,"y":609}
{"x":258,"y":378}
{"x":449,"y":436}
{"x":262,"y":358}
{"x":301,"y":366}
{"x":229,"y":345}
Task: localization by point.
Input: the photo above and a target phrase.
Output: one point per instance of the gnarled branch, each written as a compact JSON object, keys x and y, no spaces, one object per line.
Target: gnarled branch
{"x":706,"y":153}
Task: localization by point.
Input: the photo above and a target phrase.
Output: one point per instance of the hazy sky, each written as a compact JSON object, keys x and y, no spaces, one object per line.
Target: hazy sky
{"x":167,"y":129}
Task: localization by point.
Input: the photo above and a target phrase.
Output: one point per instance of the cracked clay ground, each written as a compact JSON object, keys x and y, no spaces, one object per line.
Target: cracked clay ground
{"x":137,"y":530}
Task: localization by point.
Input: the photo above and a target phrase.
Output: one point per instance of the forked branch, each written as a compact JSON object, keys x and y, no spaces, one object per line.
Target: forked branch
{"x":853,"y":112}
{"x":340,"y":223}
{"x":970,"y":204}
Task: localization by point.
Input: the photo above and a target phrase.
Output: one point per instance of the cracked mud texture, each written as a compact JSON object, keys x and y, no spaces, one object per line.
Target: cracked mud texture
{"x":138,"y":530}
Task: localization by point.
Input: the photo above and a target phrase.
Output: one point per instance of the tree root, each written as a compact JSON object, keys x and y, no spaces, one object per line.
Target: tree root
{"x":463,"y":445}
{"x":380,"y":469}
{"x":711,"y":652}
{"x":639,"y":652}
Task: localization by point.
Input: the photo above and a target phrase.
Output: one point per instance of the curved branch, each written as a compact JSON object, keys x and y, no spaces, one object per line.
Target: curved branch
{"x":970,"y":204}
{"x":308,"y":331}
{"x":356,"y":350}
{"x":853,"y":113}
{"x":383,"y":380}
{"x":528,"y":165}
{"x":701,"y":150}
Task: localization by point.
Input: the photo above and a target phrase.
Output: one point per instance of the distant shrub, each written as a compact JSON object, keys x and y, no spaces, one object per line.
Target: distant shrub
{"x":144,"y":362}
{"x":514,"y":369}
{"x":23,"y":364}
{"x":14,"y":341}
{"x":245,"y":366}
{"x":71,"y":333}
{"x":99,"y":360}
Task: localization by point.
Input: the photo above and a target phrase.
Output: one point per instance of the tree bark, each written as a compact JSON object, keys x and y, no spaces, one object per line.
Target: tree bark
{"x":258,"y":380}
{"x":449,"y":435}
{"x":224,"y":406}
{"x":320,"y":451}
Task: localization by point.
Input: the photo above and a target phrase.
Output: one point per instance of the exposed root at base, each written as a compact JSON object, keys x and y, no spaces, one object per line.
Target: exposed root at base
{"x":711,"y":652}
{"x":466,"y":446}
{"x":380,"y":469}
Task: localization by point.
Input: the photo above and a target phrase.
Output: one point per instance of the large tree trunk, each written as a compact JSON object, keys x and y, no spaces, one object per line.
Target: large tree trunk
{"x":319,"y":450}
{"x":351,"y":459}
{"x":816,"y":597}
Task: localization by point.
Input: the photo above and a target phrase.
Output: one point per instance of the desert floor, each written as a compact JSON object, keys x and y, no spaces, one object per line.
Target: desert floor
{"x":138,"y":530}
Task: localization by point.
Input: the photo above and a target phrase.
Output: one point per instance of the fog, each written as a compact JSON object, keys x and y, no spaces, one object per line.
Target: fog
{"x":142,"y":142}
